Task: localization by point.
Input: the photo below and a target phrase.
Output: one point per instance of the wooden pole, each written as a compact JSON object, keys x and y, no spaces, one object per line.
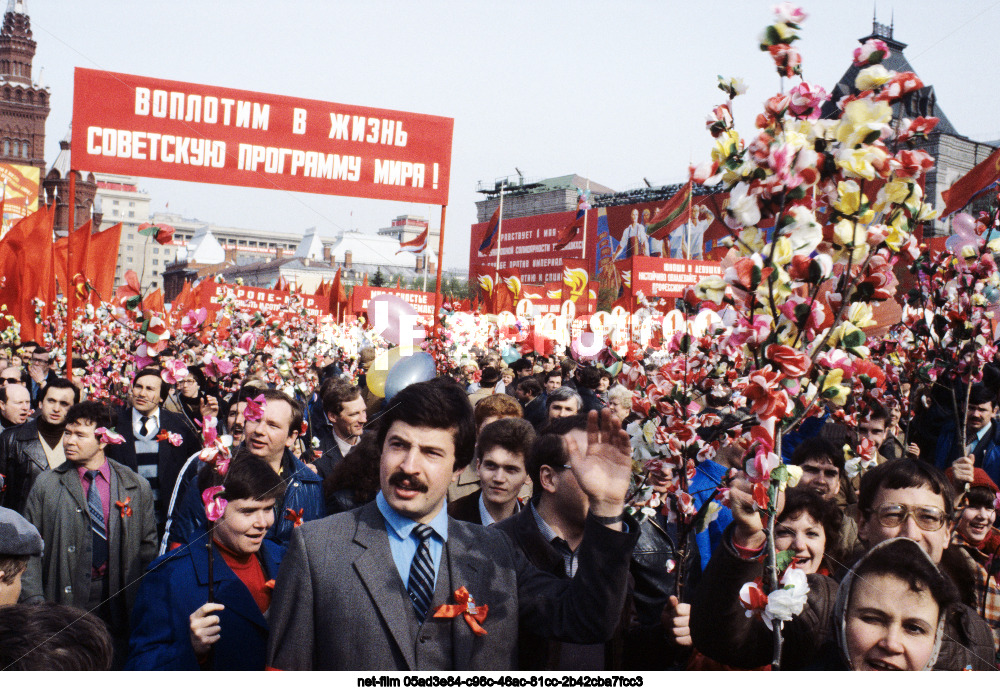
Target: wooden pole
{"x":437,"y":285}
{"x":70,"y":289}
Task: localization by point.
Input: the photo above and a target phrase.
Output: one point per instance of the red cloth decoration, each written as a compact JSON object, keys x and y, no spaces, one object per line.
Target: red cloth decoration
{"x":473,"y":614}
{"x":124,"y":507}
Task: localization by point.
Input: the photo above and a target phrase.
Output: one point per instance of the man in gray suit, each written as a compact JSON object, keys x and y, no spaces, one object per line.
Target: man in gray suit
{"x":365,"y":589}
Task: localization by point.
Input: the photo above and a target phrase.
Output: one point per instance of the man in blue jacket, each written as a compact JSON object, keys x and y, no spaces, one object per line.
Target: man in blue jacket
{"x":175,"y":623}
{"x":269,"y":438}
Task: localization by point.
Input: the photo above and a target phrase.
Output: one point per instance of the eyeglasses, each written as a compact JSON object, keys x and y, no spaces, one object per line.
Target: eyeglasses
{"x":927,"y":517}
{"x":10,"y":380}
{"x":187,"y":381}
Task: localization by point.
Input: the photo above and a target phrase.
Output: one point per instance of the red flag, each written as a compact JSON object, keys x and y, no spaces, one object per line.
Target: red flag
{"x":281,"y":284}
{"x":672,"y":215}
{"x":397,"y":282}
{"x":507,"y":292}
{"x":338,"y":296}
{"x":365,"y":282}
{"x":154,"y":302}
{"x":182,"y":303}
{"x":568,"y":234}
{"x":492,"y":233}
{"x":417,"y":245}
{"x":971,"y":184}
{"x":101,"y":262}
{"x":26,"y":270}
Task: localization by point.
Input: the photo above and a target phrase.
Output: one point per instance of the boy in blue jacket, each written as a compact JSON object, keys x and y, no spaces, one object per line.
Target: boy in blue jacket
{"x":174,"y":623}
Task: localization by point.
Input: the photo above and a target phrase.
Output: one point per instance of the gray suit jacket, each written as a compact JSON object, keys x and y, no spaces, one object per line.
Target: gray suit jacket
{"x":57,"y":506}
{"x":340,"y":603}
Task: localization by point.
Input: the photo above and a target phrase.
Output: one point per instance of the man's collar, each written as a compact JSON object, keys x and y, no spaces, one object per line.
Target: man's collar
{"x":402,"y":526}
{"x":154,"y":414}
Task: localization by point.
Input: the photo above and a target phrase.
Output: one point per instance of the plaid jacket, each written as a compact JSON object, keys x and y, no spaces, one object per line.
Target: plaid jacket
{"x":987,"y":560}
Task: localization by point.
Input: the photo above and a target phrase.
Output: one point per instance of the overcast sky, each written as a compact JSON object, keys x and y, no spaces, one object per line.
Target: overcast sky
{"x":614,"y":91}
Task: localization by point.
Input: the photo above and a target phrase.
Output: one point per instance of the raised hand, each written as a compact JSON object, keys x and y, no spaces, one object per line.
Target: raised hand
{"x":603,"y":468}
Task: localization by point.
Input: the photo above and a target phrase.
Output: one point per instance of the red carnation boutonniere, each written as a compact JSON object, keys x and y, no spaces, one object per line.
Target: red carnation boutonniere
{"x":294,"y":516}
{"x":124,"y":507}
{"x":269,"y":584}
{"x":473,"y":614}
{"x":172,"y":438}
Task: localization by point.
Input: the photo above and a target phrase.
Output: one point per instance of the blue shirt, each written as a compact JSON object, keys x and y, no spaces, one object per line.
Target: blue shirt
{"x":403,"y":543}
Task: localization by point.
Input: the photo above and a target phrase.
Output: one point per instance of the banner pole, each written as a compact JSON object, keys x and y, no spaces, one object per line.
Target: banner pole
{"x":69,"y":289}
{"x":437,"y":286}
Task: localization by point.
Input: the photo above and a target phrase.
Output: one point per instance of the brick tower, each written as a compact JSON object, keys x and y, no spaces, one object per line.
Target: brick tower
{"x":24,"y":104}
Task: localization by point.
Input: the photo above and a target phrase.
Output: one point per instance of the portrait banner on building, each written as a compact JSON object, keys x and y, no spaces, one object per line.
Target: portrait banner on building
{"x":132,"y":125}
{"x":20,"y":192}
{"x":264,"y":300}
{"x":422,"y":302}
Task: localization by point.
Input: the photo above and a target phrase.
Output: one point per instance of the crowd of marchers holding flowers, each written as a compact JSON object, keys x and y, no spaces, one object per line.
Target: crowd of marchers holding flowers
{"x":783,"y":491}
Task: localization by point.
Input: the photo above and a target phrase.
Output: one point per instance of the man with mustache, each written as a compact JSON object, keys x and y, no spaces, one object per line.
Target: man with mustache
{"x":365,"y":589}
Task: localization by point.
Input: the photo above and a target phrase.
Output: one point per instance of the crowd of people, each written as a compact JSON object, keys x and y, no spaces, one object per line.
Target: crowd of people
{"x":485,"y":519}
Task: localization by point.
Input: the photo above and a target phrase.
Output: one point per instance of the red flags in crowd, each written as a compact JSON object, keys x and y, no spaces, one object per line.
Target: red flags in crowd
{"x":672,"y":215}
{"x":154,"y":302}
{"x":338,"y":296}
{"x":417,"y":245}
{"x":282,"y":283}
{"x":26,"y":270}
{"x":102,"y":261}
{"x":971,"y":184}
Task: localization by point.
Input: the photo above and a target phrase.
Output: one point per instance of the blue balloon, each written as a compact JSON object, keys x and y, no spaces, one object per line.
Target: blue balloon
{"x":409,"y":370}
{"x":510,"y":354}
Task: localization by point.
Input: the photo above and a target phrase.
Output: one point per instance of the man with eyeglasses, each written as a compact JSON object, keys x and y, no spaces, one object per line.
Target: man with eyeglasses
{"x":896,"y":499}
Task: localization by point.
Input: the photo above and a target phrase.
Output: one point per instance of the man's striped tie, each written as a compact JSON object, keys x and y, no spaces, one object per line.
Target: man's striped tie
{"x":96,"y":510}
{"x":421,"y":583}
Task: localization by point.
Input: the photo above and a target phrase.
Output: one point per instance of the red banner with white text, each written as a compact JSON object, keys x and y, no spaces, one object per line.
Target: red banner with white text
{"x":156,"y":128}
{"x":421,"y":301}
{"x":266,"y":301}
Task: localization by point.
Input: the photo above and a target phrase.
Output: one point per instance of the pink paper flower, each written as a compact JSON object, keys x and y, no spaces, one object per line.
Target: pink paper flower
{"x":215,"y":506}
{"x":255,"y":408}
{"x":109,"y":436}
{"x":173,"y":371}
{"x":806,"y":100}
{"x":193,"y":320}
{"x":871,"y":52}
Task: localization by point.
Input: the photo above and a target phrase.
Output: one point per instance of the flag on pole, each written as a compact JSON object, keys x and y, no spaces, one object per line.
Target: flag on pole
{"x":490,"y":238}
{"x":970,"y":185}
{"x":672,"y":215}
{"x":417,"y":245}
{"x":568,"y":234}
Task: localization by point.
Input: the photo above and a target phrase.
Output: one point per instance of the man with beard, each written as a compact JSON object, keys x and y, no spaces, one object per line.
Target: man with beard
{"x":364,"y":589}
{"x":36,"y":446}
